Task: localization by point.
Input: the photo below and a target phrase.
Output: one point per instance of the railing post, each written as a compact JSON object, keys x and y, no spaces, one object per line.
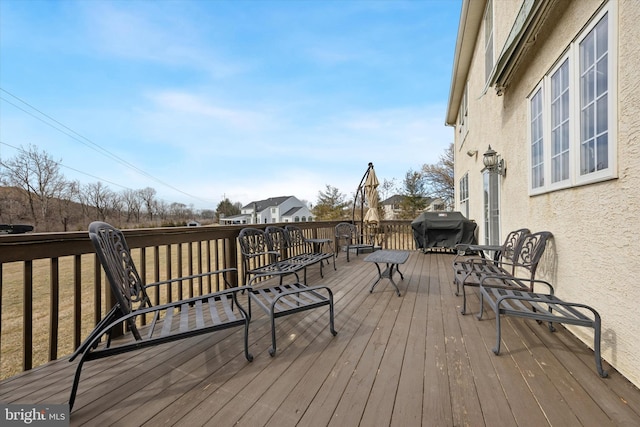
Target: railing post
{"x":231,"y":258}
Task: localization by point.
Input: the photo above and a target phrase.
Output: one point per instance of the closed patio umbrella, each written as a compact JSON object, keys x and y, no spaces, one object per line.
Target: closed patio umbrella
{"x":371,"y":193}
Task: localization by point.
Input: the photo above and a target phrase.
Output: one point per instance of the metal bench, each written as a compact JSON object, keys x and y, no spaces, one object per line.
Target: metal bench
{"x":523,"y":258}
{"x":291,"y":244}
{"x":504,"y":254}
{"x":515,"y":297}
{"x":501,"y":253}
{"x":260,"y":261}
{"x":169,"y":322}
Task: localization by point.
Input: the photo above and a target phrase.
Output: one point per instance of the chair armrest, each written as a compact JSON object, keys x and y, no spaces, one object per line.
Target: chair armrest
{"x":194,"y":276}
{"x":273,"y":254}
{"x":521,"y":280}
{"x":550,"y":302}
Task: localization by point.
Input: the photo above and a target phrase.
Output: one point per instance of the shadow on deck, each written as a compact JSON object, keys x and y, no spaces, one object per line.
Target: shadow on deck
{"x":406,"y":361}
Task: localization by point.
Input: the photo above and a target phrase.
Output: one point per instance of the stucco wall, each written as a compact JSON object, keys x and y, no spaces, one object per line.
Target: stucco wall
{"x":594,"y":255}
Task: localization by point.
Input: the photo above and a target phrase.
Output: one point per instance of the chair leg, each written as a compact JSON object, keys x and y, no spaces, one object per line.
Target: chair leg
{"x":331,"y":312}
{"x":76,"y":381}
{"x":479,"y":316}
{"x":248,"y":355}
{"x":496,"y":349}
{"x":596,"y":348}
{"x":272,"y":350}
{"x":464,"y":301}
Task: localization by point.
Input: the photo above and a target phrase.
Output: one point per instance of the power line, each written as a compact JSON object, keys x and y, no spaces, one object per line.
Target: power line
{"x":64,"y":129}
{"x":73,"y":169}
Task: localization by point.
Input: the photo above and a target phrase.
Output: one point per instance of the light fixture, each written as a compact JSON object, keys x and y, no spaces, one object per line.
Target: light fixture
{"x":472,"y":153}
{"x":493,"y":162}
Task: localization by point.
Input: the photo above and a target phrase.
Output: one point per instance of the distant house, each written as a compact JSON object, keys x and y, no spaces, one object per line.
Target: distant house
{"x":271,"y":210}
{"x":392,"y":206}
{"x":553,"y":87}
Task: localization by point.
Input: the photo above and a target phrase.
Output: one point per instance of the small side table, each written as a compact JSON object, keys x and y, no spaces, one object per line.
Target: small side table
{"x":318,"y":245}
{"x":392,"y":259}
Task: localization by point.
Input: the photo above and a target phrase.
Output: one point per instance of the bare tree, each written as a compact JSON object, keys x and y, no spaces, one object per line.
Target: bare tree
{"x":161,"y":208}
{"x":100,"y":197}
{"x":148,"y":195}
{"x":12,"y":207}
{"x":133,"y":201}
{"x":39,"y":176}
{"x":177,"y":210}
{"x":439,"y":178}
{"x":115,"y":206}
{"x":67,"y":204}
{"x":387,"y":188}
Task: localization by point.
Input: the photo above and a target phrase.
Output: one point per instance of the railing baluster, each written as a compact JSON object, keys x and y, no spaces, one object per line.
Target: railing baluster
{"x":180,"y":273}
{"x":200,"y":282}
{"x":77,"y":300}
{"x":168,"y":286}
{"x":54,"y":308}
{"x":156,"y":272}
{"x":190,"y":254}
{"x":27,"y":307}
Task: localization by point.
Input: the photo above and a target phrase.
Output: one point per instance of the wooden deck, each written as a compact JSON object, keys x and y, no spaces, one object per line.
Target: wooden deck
{"x":406,"y":361}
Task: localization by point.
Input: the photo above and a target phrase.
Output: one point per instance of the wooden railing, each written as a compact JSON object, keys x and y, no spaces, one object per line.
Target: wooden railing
{"x":52,"y":289}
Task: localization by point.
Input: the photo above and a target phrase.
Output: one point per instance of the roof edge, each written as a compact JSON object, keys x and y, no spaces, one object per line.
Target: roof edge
{"x":471,"y":16}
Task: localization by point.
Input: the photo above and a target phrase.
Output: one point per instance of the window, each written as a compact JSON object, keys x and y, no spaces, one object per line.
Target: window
{"x":464,"y":195}
{"x":537,"y":154}
{"x":463,"y":113}
{"x":572,"y":113}
{"x":488,"y":40}
{"x":560,"y":123}
{"x":594,"y":92}
{"x":491,"y":208}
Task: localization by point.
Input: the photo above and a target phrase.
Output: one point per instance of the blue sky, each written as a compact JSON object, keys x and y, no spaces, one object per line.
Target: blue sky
{"x":205,"y":99}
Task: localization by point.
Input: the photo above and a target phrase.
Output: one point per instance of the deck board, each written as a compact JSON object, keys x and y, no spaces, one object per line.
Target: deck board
{"x":396,"y":361}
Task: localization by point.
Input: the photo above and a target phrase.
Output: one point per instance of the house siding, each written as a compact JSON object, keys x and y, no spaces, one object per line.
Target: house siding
{"x":593,"y":257}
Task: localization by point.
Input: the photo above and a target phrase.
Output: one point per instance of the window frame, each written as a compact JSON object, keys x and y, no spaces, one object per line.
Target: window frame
{"x":571,"y":56}
{"x":464,"y":194}
{"x":489,"y":51}
{"x":463,"y":113}
{"x":491,"y":207}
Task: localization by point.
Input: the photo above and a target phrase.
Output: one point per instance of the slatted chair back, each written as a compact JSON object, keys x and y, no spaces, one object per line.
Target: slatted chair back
{"x":252,"y":241}
{"x":346,"y":232}
{"x":278,"y":240}
{"x":115,"y":256}
{"x":295,"y":236}
{"x":531,"y":251}
{"x":511,"y":246}
{"x":255,"y":249}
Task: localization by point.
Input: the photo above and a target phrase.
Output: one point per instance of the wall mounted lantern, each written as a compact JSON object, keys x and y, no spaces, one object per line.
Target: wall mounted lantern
{"x":493,"y":162}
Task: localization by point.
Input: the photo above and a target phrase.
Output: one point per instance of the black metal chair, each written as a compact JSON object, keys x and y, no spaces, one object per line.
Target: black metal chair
{"x":171,"y":321}
{"x":349,"y":238}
